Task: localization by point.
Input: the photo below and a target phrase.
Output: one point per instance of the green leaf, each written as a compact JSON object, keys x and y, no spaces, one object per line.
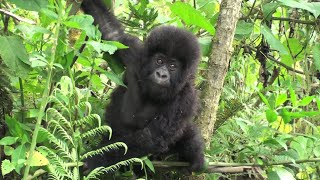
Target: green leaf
{"x":8,"y":150}
{"x":115,"y":65}
{"x":271,"y":115}
{"x":280,"y":174}
{"x":316,"y":150}
{"x":268,"y":9}
{"x":318,"y":103}
{"x":191,"y":16}
{"x":244,"y":28}
{"x":306,"y":101}
{"x":206,"y":45}
{"x":32,"y":5}
{"x":8,"y":140}
{"x":6,"y":167}
{"x":106,"y":46}
{"x":264,"y":99}
{"x":115,"y":78}
{"x":14,"y":55}
{"x":18,"y":154}
{"x":149,"y":164}
{"x":83,"y":22}
{"x":281,"y":98}
{"x":303,"y":114}
{"x":313,"y":7}
{"x":285,"y":115}
{"x":293,"y":97}
{"x":14,"y":127}
{"x":316,"y":56}
{"x":272,"y":40}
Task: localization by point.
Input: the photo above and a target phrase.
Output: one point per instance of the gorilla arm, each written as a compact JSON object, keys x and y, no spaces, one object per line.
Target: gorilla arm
{"x":111,"y":29}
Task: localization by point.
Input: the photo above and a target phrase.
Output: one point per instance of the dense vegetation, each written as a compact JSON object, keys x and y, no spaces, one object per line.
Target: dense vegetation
{"x":56,"y":76}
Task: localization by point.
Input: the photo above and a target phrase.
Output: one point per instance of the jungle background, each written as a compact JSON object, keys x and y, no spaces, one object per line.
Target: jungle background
{"x":56,"y":76}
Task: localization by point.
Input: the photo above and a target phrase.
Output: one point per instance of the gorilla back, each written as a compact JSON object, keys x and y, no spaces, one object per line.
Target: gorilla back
{"x":154,"y":113}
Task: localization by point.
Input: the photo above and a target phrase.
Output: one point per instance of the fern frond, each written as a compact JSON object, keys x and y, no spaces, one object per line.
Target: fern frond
{"x":76,"y":174}
{"x":61,"y":131}
{"x":56,"y":162}
{"x":60,"y":118}
{"x":231,"y":108}
{"x":96,"y":131}
{"x":114,"y":146}
{"x":59,"y":104}
{"x":81,"y":105}
{"x":88,"y":119}
{"x":61,"y":146}
{"x":101,"y":170}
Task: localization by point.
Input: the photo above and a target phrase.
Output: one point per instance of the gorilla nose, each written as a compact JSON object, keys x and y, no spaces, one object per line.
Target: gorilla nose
{"x":162,"y":75}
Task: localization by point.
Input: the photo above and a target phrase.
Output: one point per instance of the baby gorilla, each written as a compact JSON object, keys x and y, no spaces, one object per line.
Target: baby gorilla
{"x":153,"y":115}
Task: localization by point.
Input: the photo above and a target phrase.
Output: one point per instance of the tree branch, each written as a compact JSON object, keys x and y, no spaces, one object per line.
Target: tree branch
{"x":21,"y":19}
{"x":284,"y":19}
{"x":276,"y":61}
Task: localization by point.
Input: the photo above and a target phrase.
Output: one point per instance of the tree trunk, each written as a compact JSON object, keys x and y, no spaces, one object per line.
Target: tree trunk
{"x":217,"y":70}
{"x":218,"y":66}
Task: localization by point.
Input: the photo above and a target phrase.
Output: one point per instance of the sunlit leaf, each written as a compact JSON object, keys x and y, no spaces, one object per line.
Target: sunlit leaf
{"x":280,"y":174}
{"x":271,"y":115}
{"x":313,"y":7}
{"x":191,"y":16}
{"x":38,"y":159}
{"x":306,"y":101}
{"x":6,"y":167}
{"x":8,"y":140}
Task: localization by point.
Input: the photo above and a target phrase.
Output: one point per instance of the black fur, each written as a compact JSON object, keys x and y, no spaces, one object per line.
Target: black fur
{"x":152,"y":118}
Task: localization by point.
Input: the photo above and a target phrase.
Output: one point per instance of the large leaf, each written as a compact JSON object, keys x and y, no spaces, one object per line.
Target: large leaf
{"x":280,"y":174}
{"x":18,"y":154}
{"x":6,"y":167}
{"x":14,"y":55}
{"x":8,"y":140}
{"x":244,"y":28}
{"x":313,"y":7}
{"x":316,"y":56}
{"x":191,"y":16}
{"x":268,"y":9}
{"x":271,"y":115}
{"x":83,"y":22}
{"x":32,"y":5}
{"x":272,"y":40}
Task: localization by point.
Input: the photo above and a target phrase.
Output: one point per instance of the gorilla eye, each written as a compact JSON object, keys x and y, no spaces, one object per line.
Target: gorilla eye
{"x":159,"y":61}
{"x":173,"y":66}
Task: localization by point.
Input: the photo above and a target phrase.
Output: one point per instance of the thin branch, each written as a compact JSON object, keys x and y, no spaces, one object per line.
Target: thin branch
{"x":222,"y":167}
{"x":278,"y":62}
{"x":21,"y":19}
{"x":285,"y":19}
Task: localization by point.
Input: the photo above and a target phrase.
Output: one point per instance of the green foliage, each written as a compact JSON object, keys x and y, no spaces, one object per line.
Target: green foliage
{"x":191,"y":16}
{"x":63,"y":90}
{"x":14,"y":55}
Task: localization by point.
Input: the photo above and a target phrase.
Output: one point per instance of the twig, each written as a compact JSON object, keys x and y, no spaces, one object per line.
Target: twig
{"x":285,"y":19}
{"x":278,"y":62}
{"x":17,"y":17}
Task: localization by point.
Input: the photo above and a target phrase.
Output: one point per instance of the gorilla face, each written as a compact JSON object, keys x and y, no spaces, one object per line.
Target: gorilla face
{"x":165,"y":70}
{"x":162,"y":74}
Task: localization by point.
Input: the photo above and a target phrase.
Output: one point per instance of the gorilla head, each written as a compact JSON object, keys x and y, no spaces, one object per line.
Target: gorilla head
{"x":170,"y":60}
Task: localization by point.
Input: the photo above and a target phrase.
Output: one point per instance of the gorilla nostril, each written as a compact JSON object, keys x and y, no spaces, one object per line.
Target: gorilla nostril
{"x":164,"y":76}
{"x":158,"y":74}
